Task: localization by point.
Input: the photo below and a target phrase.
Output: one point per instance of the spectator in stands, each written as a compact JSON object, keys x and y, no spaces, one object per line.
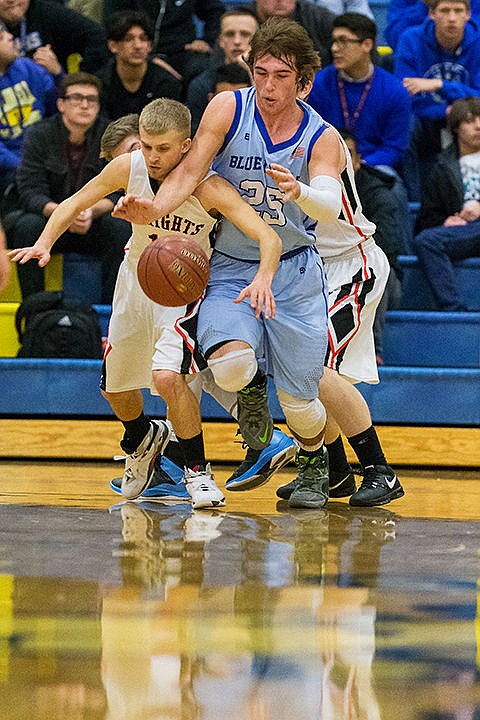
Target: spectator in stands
{"x":339,"y":7}
{"x":60,"y":154}
{"x":27,"y":93}
{"x":5,"y":264}
{"x":316,"y":20}
{"x":404,"y":14}
{"x":175,"y":39}
{"x":449,"y":219}
{"x":379,"y":205}
{"x":130,"y":80}
{"x":49,"y":33}
{"x":355,"y":94}
{"x":120,"y":136}
{"x":237,"y":28}
{"x":438,"y":62}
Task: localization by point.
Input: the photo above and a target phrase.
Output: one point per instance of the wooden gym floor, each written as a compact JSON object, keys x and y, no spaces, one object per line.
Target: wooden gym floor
{"x":147,"y":611}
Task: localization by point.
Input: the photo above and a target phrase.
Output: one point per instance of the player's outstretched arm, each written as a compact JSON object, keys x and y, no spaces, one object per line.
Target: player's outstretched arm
{"x":182,"y":181}
{"x":113,"y":177}
{"x":217,"y":193}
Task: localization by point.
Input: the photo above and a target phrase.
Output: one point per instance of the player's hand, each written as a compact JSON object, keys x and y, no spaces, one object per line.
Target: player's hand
{"x":135,"y":209}
{"x":261,"y":297}
{"x":23,"y":255}
{"x":285,"y":181}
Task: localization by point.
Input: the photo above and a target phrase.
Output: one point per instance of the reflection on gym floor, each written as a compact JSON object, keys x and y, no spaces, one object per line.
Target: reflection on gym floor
{"x":151,"y":611}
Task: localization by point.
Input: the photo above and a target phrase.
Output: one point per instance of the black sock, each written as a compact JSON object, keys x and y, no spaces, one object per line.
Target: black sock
{"x":174,"y":452}
{"x":193,"y":450}
{"x":337,"y":459}
{"x":311,"y":453}
{"x":257,"y":380}
{"x":135,"y":431}
{"x":367,"y":448}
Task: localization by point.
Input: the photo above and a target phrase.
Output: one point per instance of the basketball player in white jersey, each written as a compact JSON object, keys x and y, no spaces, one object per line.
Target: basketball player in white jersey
{"x":357,"y":272}
{"x":120,"y":136}
{"x":150,"y":345}
{"x":278,"y":117}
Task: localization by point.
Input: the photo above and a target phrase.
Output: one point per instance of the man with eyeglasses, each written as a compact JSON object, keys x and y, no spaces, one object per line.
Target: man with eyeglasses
{"x":60,"y":155}
{"x":130,"y":79}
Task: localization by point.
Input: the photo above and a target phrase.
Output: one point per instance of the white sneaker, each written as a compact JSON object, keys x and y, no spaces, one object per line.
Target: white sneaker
{"x":139,"y":466}
{"x":202,"y":488}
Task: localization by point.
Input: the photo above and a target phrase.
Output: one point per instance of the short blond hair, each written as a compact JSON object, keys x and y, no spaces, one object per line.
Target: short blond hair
{"x":162,"y":115}
{"x":116,"y":132}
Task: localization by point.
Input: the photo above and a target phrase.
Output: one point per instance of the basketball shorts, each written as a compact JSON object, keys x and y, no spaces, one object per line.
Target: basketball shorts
{"x":293,"y":344}
{"x":356,"y":281}
{"x":144,"y":336}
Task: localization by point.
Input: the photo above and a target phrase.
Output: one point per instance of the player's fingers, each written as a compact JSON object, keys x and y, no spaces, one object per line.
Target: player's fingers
{"x":242,"y":295}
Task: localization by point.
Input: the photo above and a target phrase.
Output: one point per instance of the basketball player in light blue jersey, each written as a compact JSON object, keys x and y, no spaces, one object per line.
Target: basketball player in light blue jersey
{"x":241,"y":133}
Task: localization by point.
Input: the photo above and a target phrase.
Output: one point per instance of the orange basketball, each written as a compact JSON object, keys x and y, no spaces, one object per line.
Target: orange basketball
{"x":173,"y":270}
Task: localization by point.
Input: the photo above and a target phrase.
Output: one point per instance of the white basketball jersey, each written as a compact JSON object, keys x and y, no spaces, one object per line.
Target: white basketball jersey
{"x":352,"y":227}
{"x":190,"y":218}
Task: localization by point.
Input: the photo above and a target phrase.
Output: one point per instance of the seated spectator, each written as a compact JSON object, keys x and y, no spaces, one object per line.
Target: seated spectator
{"x":316,"y":20}
{"x":339,"y":7}
{"x":120,"y":136}
{"x":236,"y":30}
{"x":355,"y":94}
{"x":92,"y":9}
{"x":379,"y":205}
{"x":5,"y":264}
{"x":130,"y":80}
{"x":230,"y":77}
{"x":49,"y":33}
{"x":404,"y":14}
{"x":175,"y":40}
{"x":448,"y":223}
{"x":60,"y":154}
{"x":438,"y":62}
{"x":27,"y":93}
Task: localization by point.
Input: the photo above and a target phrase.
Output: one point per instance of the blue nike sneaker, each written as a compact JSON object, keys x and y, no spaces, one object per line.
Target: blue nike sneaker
{"x":167,"y":482}
{"x":259,"y":465}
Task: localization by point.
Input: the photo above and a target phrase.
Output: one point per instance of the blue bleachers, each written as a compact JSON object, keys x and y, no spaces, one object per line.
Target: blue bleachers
{"x":417,"y":294}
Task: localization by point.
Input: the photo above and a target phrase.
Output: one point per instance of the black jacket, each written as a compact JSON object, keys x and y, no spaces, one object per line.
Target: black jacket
{"x":43,"y":175}
{"x":116,"y":100}
{"x":443,"y":192}
{"x":175,"y":20}
{"x":66,"y":31}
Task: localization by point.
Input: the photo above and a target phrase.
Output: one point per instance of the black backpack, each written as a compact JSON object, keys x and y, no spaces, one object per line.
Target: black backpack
{"x":51,"y":326}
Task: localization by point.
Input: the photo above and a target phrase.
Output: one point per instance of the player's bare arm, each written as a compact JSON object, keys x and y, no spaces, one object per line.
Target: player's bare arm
{"x":322,"y":198}
{"x":217,"y":195}
{"x":112,"y":178}
{"x":182,"y":181}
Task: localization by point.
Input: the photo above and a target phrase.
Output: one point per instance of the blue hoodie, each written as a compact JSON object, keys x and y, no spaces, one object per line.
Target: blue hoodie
{"x":419,"y":55}
{"x":404,"y":14}
{"x":381,"y":130}
{"x":27,"y":94}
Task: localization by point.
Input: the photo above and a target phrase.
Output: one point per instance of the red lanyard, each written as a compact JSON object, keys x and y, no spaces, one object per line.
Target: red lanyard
{"x":351,"y":121}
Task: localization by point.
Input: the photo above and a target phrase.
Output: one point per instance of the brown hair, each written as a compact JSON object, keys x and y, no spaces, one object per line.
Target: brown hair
{"x":79,"y":78}
{"x":116,"y":132}
{"x":286,"y":40}
{"x":461,"y":110}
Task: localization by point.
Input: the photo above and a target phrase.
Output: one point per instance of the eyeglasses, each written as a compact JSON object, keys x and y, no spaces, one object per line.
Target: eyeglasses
{"x":78,"y":99}
{"x":343,"y":41}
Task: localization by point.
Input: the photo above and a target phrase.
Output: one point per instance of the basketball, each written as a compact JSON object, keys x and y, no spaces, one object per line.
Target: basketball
{"x":173,"y":270}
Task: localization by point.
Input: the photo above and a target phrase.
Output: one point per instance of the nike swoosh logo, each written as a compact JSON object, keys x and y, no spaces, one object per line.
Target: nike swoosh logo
{"x":391,"y":481}
{"x":263,"y":438}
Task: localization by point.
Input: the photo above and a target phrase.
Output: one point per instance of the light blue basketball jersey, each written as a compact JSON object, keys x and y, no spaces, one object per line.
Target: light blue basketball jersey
{"x":242,"y":160}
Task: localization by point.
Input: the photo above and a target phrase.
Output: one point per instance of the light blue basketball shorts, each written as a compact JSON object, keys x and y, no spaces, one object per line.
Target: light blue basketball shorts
{"x":294,"y":343}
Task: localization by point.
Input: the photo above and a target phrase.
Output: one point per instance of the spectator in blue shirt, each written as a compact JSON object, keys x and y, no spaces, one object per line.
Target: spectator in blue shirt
{"x":438,"y":62}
